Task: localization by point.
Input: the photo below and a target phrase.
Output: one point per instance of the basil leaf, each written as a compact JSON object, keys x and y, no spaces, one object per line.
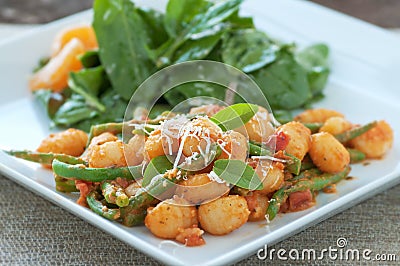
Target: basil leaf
{"x":157,"y":165}
{"x":248,"y":50}
{"x":237,"y":173}
{"x":284,"y":82}
{"x":234,"y":116}
{"x":123,"y":42}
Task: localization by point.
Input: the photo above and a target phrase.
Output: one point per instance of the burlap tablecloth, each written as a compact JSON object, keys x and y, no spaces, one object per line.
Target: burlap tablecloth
{"x":35,"y":231}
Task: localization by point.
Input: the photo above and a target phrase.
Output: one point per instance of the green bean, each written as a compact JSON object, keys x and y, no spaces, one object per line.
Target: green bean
{"x":258,"y":150}
{"x":101,"y":209}
{"x":307,"y":164}
{"x":314,"y":183}
{"x":318,"y":182}
{"x":133,"y":213}
{"x":44,"y":158}
{"x":314,"y":127}
{"x":275,"y":203}
{"x":356,"y":156}
{"x":81,"y":172}
{"x":65,"y":185}
{"x":307,"y":174}
{"x":355,"y":132}
{"x":114,"y":194}
{"x":293,"y":165}
{"x":96,"y":130}
{"x":116,"y":128}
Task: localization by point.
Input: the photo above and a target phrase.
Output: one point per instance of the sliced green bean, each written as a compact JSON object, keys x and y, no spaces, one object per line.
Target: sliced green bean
{"x":355,"y":132}
{"x":314,"y":127}
{"x":81,"y":172}
{"x":314,"y":183}
{"x":96,"y":130}
{"x":44,"y":158}
{"x":132,"y":214}
{"x":307,"y":174}
{"x":257,"y":150}
{"x":275,"y":203}
{"x":114,"y":194}
{"x":101,"y":209}
{"x":356,"y":156}
{"x":318,"y":182}
{"x":307,"y":164}
{"x":293,"y":165}
{"x":65,"y":185}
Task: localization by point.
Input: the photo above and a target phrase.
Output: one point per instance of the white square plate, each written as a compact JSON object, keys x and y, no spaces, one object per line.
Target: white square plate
{"x":363,"y":85}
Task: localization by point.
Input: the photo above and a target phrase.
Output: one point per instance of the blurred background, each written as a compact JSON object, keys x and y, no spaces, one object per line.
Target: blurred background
{"x":385,"y":13}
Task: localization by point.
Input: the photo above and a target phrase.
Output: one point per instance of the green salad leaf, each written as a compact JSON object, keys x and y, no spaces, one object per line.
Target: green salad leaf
{"x":237,"y":173}
{"x":123,"y":44}
{"x":284,"y":82}
{"x":248,"y":50}
{"x":136,"y":42}
{"x":203,"y":24}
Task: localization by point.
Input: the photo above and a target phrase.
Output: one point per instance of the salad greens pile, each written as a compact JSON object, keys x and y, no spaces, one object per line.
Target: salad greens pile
{"x":136,"y":42}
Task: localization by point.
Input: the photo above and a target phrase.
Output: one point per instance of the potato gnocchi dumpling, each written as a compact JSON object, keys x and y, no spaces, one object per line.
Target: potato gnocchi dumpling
{"x":188,"y":176}
{"x":299,"y":138}
{"x":169,"y":216}
{"x":328,"y":154}
{"x":376,"y":141}
{"x":319,"y":115}
{"x":71,"y":141}
{"x":223,"y":215}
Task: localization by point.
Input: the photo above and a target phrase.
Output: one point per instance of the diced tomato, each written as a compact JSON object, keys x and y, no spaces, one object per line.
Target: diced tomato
{"x":300,"y":200}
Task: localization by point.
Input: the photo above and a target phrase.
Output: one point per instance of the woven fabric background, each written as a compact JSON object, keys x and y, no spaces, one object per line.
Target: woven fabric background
{"x":35,"y":231}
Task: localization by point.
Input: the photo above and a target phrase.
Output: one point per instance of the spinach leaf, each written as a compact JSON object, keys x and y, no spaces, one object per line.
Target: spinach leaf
{"x":234,"y":116}
{"x":115,"y":106}
{"x":123,"y":42}
{"x":284,"y":82}
{"x":90,"y":59}
{"x":238,"y":22}
{"x":73,"y":111}
{"x":154,"y":27}
{"x":315,"y":60}
{"x":248,"y":50}
{"x":180,"y":13}
{"x":196,"y":49}
{"x":194,"y":89}
{"x":208,"y":23}
{"x":88,"y":83}
{"x":157,"y":165}
{"x":237,"y":173}
{"x":50,"y":100}
{"x":91,"y":80}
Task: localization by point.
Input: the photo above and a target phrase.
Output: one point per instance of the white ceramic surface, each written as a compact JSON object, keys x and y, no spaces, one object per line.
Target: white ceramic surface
{"x":363,"y":85}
